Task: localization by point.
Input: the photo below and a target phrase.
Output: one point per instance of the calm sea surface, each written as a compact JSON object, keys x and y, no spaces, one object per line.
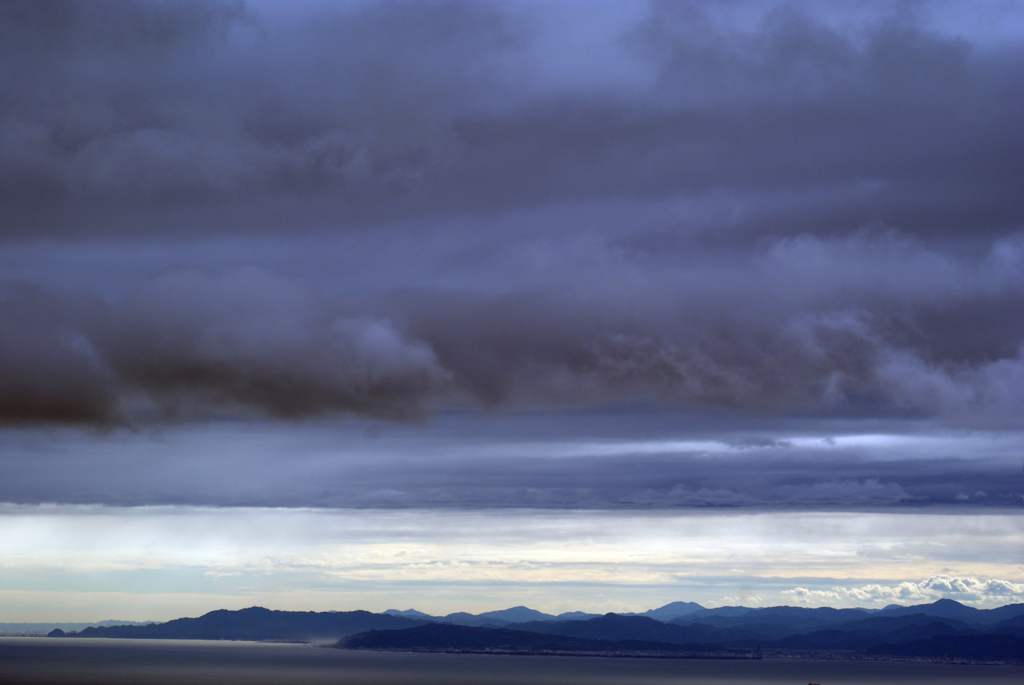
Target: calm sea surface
{"x":99,"y":661}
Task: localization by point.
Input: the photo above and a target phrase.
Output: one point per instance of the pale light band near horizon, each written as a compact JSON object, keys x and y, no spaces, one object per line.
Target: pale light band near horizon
{"x":91,"y":563}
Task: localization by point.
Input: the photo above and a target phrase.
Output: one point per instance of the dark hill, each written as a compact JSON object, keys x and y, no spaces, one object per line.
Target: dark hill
{"x":672,"y":610}
{"x":947,"y":608}
{"x":615,"y":627}
{"x":866,"y":638}
{"x":446,"y":637}
{"x":718,"y":611}
{"x":1005,"y":613}
{"x":788,"y":619}
{"x":1011,"y":626}
{"x":965,"y":647}
{"x":929,"y":640}
{"x":890,"y":623}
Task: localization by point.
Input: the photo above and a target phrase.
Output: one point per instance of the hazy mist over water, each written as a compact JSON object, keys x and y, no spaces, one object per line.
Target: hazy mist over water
{"x":95,"y":661}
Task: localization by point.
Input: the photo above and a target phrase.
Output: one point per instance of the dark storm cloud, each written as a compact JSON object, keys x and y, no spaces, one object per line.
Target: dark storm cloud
{"x":756,"y":207}
{"x":400,"y":108}
{"x":871,"y":321}
{"x":872,"y":324}
{"x":188,"y":346}
{"x":48,"y":370}
{"x":145,"y":104}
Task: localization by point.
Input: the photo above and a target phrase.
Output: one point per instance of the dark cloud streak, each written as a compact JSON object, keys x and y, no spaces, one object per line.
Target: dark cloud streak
{"x":189,"y":346}
{"x":444,"y":465}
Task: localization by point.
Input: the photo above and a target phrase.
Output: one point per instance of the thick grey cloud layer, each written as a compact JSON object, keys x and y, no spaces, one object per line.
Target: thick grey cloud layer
{"x":397,"y":108}
{"x":777,"y":208}
{"x":188,"y":346}
{"x":872,"y":324}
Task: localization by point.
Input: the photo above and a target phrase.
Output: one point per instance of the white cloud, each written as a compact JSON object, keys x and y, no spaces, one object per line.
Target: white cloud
{"x":966,"y":589}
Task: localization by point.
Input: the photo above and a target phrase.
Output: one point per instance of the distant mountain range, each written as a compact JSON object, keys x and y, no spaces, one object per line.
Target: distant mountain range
{"x":525,"y":614}
{"x":942,"y":630}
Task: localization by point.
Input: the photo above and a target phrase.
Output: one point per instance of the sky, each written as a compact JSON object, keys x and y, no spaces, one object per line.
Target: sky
{"x":460,"y":305}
